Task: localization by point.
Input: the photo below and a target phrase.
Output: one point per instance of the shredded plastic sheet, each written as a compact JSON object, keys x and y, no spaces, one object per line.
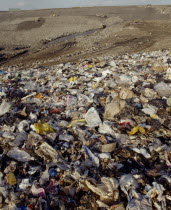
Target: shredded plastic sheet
{"x":142,"y":151}
{"x":108,"y":147}
{"x":72,"y":79}
{"x":38,"y":191}
{"x":136,"y":130}
{"x":128,"y":184}
{"x":4,"y":107}
{"x":40,"y":96}
{"x":25,"y":183}
{"x":74,"y":122}
{"x":140,"y":204}
{"x":107,"y":190}
{"x":91,"y":155}
{"x":92,"y":118}
{"x":23,"y":112}
{"x":43,"y":128}
{"x":11,"y":179}
{"x":155,"y":193}
{"x":19,"y":155}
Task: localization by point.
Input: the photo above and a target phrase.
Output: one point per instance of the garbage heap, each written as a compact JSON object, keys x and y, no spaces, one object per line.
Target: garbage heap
{"x":88,"y":135}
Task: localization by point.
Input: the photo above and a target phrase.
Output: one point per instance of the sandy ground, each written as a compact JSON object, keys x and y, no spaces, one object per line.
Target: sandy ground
{"x":25,"y":36}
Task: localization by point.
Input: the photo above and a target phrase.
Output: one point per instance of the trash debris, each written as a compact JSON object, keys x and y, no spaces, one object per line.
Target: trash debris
{"x":137,"y":129}
{"x":19,"y":155}
{"x":128,"y":184}
{"x":125,"y":94}
{"x":4,"y":107}
{"x":37,"y":191}
{"x":11,"y":179}
{"x":94,"y":134}
{"x":108,"y":190}
{"x":113,"y":109}
{"x":40,"y":96}
{"x":108,"y":147}
{"x":42,"y":128}
{"x":74,"y":122}
{"x":163,"y":89}
{"x":25,"y":183}
{"x":92,"y":118}
{"x":91,"y":156}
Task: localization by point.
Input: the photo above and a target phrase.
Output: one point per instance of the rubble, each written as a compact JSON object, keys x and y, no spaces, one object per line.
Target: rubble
{"x":87,"y":135}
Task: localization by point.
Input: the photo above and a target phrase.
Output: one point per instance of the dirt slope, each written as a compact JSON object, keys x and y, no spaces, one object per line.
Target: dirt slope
{"x":58,"y":35}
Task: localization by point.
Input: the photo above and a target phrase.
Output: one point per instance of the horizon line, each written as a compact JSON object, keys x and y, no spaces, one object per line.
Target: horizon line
{"x":77,"y":7}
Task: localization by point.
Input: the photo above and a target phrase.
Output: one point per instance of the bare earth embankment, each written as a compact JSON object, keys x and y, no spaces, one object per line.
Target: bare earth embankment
{"x":59,"y":35}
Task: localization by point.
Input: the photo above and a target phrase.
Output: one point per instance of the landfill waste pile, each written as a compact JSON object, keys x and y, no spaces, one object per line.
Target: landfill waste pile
{"x":88,"y":135}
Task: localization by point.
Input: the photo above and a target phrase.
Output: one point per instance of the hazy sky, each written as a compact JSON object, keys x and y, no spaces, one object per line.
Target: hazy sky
{"x":41,"y":4}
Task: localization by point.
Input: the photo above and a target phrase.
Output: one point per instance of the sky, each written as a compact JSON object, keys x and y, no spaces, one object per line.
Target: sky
{"x":43,"y":4}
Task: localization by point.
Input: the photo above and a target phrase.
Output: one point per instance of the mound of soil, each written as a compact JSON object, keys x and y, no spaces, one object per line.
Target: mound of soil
{"x":27,"y":25}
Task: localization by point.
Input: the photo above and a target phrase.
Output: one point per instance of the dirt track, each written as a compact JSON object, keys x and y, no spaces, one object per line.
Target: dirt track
{"x":43,"y":36}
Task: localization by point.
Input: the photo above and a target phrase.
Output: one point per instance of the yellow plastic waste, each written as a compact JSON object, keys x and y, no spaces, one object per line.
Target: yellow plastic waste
{"x":74,"y":122}
{"x":72,"y":79}
{"x":137,"y":129}
{"x":11,"y":179}
{"x":93,"y":86}
{"x":153,"y":116}
{"x":43,"y":128}
{"x":90,"y":66}
{"x":40,"y":96}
